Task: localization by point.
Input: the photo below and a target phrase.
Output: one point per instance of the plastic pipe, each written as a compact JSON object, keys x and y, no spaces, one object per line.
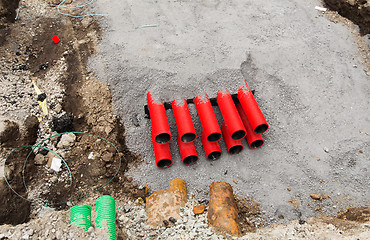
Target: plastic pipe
{"x":162,"y":154}
{"x":252,"y":110}
{"x":208,"y":119}
{"x":105,"y":208}
{"x":230,"y":115}
{"x":187,"y":151}
{"x":255,"y":140}
{"x":158,"y":117}
{"x":184,"y":123}
{"x":81,"y":216}
{"x":212,"y":149}
{"x":233,"y":146}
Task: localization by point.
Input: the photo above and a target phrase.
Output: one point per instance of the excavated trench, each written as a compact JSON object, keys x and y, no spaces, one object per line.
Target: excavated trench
{"x":86,"y":102}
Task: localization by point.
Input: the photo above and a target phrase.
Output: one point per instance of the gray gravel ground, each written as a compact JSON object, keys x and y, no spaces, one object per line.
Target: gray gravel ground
{"x":308,"y":78}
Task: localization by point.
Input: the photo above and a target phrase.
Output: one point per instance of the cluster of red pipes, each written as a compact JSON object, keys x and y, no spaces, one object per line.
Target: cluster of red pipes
{"x":241,"y":120}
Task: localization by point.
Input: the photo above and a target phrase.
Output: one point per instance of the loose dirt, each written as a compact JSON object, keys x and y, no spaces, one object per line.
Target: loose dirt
{"x":27,"y":46}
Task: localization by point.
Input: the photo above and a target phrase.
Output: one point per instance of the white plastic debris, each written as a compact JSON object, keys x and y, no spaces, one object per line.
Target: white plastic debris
{"x":56,"y":163}
{"x":91,"y":156}
{"x":321,"y":9}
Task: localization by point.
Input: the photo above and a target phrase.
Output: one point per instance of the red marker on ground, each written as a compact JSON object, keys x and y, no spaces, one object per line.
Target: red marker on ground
{"x":56,"y":39}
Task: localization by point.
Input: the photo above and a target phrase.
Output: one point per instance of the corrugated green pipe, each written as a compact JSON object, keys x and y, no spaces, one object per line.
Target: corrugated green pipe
{"x":81,"y":216}
{"x":106,"y":215}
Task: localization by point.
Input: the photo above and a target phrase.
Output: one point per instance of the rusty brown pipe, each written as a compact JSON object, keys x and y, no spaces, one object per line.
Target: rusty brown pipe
{"x":222,"y":211}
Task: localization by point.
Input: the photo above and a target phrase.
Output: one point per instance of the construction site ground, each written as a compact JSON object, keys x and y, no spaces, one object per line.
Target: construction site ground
{"x":310,"y":72}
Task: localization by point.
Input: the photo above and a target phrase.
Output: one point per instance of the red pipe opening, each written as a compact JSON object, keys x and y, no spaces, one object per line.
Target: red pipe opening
{"x":187,"y":151}
{"x":230,"y":115}
{"x":208,"y":119}
{"x":184,"y":123}
{"x":212,"y":149}
{"x":255,"y":140}
{"x":252,"y":110}
{"x":233,"y":146}
{"x":162,"y":154}
{"x":158,"y":117}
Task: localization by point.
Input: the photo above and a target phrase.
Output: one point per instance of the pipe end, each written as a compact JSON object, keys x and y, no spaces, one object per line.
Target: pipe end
{"x":164,"y":163}
{"x":163,"y":138}
{"x":188,"y":137}
{"x":238,"y":135}
{"x":214,"y":155}
{"x":236,"y":149}
{"x":257,"y":144}
{"x":261,"y":128}
{"x":214,"y":137}
{"x":190,"y":159}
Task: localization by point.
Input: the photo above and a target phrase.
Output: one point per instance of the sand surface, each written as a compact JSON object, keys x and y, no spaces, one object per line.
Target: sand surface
{"x":308,"y":78}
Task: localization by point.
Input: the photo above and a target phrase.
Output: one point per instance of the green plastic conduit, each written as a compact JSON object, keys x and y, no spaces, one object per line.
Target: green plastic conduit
{"x":81,"y":216}
{"x":106,"y":215}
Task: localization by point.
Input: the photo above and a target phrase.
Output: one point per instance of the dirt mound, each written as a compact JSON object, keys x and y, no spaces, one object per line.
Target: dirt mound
{"x":8,"y":10}
{"x":15,"y":210}
{"x":356,"y":214}
{"x":358,"y":11}
{"x":72,"y":91}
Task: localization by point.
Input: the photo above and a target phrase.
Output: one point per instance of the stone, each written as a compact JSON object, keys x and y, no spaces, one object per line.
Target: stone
{"x":163,"y":204}
{"x":25,"y":237}
{"x":58,"y":108}
{"x":325,"y":196}
{"x":107,"y":157}
{"x":315,"y":196}
{"x":64,"y":123}
{"x":67,"y":140}
{"x":199,"y":209}
{"x":40,"y":159}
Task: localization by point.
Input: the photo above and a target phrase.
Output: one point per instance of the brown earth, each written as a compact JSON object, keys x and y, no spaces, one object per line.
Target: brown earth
{"x":358,"y":11}
{"x":87,"y":99}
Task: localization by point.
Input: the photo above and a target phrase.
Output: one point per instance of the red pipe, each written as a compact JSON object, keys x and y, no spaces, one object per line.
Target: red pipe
{"x":233,"y":146}
{"x":162,"y":154}
{"x":158,"y":117}
{"x":230,"y":115}
{"x":252,"y":110}
{"x":183,"y":121}
{"x":212,"y":149}
{"x":187,"y":151}
{"x":255,"y":140}
{"x":208,"y":119}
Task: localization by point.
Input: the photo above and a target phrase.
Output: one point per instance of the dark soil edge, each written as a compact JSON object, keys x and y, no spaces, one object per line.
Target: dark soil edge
{"x":358,"y":13}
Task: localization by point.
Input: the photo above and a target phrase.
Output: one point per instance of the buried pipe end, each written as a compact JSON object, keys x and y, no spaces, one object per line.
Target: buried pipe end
{"x":214,"y":155}
{"x":187,"y":151}
{"x":164,"y":163}
{"x":189,"y":160}
{"x":256,"y":144}
{"x":212,"y":149}
{"x":236,"y":149}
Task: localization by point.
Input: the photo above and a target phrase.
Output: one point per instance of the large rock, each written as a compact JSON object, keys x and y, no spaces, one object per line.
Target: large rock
{"x":163,"y":204}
